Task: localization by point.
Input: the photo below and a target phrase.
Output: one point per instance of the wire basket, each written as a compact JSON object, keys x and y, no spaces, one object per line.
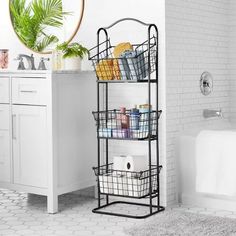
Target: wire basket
{"x":117,"y":125}
{"x":130,"y":65}
{"x":126,"y":183}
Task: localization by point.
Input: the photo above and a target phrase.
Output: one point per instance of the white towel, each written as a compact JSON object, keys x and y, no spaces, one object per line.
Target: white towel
{"x":216,"y":162}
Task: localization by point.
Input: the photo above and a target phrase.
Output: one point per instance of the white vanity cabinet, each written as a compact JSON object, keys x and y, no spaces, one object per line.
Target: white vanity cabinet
{"x":5,"y":154}
{"x":46,"y":132}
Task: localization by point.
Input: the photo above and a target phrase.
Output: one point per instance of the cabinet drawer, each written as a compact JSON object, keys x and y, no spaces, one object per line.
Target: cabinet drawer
{"x":4,"y":117}
{"x":32,"y":91}
{"x":4,"y":90}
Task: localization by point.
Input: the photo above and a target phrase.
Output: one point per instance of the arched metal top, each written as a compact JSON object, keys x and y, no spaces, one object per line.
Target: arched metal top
{"x":126,"y":19}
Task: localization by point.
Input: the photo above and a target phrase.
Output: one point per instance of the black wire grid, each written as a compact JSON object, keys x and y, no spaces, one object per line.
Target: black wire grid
{"x":135,"y":66}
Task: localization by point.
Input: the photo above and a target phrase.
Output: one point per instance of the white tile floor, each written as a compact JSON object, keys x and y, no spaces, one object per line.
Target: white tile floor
{"x":22,"y":214}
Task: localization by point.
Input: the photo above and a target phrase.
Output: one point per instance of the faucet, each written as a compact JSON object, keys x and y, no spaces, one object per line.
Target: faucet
{"x":30,"y":61}
{"x":212,"y":113}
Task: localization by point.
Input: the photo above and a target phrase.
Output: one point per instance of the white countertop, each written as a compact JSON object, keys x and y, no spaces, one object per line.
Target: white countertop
{"x":3,"y":71}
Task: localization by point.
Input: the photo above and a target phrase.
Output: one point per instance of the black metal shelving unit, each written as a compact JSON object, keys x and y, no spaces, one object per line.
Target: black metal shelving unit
{"x":136,"y":185}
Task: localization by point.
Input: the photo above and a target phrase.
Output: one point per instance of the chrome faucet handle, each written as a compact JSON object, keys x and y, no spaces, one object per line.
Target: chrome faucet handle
{"x":42,"y":65}
{"x":21,"y":65}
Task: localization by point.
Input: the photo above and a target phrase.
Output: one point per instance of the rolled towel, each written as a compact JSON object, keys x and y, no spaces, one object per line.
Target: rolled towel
{"x":120,"y":48}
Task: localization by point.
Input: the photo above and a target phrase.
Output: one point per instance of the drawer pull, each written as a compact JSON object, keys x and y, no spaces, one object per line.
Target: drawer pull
{"x":28,"y":91}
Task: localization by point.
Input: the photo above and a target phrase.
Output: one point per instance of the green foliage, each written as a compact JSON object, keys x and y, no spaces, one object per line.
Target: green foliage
{"x":30,"y":21}
{"x":72,"y":50}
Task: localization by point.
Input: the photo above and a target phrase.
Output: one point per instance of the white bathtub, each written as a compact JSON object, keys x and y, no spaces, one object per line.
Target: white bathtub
{"x":186,"y":163}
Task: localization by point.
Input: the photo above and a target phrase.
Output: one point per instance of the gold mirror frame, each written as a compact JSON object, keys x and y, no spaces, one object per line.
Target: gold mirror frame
{"x":68,"y":41}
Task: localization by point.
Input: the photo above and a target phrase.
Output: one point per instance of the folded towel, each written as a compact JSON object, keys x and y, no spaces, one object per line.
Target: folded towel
{"x":104,"y":69}
{"x":216,"y":162}
{"x":116,"y":70}
{"x":135,"y":69}
{"x":124,"y":67}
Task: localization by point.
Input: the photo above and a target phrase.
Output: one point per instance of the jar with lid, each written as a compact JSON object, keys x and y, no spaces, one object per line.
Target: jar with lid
{"x":4,"y":58}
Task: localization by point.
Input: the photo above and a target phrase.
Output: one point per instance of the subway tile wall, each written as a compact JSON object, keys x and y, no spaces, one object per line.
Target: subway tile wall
{"x":197,"y":40}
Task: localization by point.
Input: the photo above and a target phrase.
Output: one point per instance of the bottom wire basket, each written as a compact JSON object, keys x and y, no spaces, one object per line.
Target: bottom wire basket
{"x":126,"y":183}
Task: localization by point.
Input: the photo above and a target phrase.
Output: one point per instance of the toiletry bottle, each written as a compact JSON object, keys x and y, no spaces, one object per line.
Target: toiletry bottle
{"x":134,"y":118}
{"x":144,"y":118}
{"x":124,"y":118}
{"x":144,"y":108}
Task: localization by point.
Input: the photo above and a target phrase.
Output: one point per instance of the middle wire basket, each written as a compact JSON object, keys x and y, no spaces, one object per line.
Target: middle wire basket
{"x":114,"y":124}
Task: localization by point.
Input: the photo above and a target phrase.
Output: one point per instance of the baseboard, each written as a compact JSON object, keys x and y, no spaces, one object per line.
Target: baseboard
{"x":209,"y":202}
{"x":75,"y":187}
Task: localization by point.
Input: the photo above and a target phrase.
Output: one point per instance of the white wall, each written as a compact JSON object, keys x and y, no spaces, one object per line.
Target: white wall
{"x":232,"y":61}
{"x":102,"y":13}
{"x":196,"y":41}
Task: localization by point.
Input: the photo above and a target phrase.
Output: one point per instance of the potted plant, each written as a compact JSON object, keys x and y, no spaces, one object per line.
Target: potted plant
{"x":72,"y":53}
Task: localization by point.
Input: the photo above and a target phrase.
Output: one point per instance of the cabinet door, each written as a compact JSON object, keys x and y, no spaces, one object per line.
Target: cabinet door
{"x":5,"y":157}
{"x":4,"y":90}
{"x":29,"y":134}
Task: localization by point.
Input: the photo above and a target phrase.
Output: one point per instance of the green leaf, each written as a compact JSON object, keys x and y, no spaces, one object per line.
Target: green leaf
{"x":72,"y":50}
{"x":46,"y":41}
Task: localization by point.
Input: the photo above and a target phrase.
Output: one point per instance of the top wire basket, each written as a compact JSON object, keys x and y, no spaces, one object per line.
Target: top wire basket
{"x":130,"y":65}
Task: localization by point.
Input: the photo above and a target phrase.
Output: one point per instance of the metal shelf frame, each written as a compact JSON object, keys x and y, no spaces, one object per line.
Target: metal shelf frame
{"x":154,"y":199}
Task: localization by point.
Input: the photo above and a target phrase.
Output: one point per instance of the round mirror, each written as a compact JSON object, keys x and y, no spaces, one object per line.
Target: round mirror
{"x":43,"y":24}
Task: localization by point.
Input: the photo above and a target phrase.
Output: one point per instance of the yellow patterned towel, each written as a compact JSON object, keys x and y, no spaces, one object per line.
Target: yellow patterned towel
{"x":118,"y":50}
{"x":116,"y":70}
{"x":104,"y":69}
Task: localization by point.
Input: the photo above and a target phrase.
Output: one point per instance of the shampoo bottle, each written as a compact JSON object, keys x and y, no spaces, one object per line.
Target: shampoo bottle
{"x":134,"y":118}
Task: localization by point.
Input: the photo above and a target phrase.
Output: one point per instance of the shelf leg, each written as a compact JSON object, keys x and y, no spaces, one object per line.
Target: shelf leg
{"x":107,"y":160}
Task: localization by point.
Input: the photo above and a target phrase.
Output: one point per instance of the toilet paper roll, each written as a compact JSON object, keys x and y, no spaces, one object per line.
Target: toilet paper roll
{"x":119,"y":162}
{"x":136,"y":163}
